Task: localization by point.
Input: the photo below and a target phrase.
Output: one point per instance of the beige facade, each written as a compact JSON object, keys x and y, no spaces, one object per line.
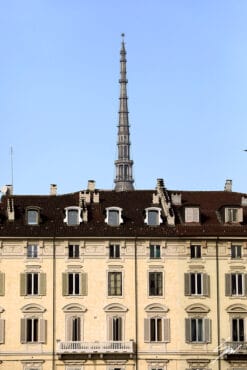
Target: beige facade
{"x":161,"y":313}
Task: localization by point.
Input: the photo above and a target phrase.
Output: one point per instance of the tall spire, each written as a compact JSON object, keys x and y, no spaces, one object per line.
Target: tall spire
{"x":123,"y":179}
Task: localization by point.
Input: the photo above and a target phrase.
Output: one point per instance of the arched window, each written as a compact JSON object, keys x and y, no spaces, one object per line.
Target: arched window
{"x":114,"y":216}
{"x":153,"y":216}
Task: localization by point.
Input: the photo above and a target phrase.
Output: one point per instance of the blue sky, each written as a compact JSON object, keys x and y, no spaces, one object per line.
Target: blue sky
{"x":187,"y":72}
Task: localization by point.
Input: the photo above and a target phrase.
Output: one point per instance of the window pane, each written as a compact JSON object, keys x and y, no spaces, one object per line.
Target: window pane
{"x":72,"y":217}
{"x":199,"y":284}
{"x":153,"y":217}
{"x":114,"y":251}
{"x":115,"y":283}
{"x":77,"y":283}
{"x":193,"y":330}
{"x":159,"y":330}
{"x":32,"y":217}
{"x":152,"y":330}
{"x":70,"y":276}
{"x":32,"y":251}
{"x":35,"y":283}
{"x":241,"y":330}
{"x":154,"y":251}
{"x":193,"y":283}
{"x":73,"y":251}
{"x":200,"y":330}
{"x":113,"y":217}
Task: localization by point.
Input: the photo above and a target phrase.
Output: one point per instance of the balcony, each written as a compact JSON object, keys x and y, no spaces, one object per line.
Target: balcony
{"x":95,"y":348}
{"x":235,"y":350}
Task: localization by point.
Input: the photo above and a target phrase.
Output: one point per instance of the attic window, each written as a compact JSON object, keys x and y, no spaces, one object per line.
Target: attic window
{"x":153,"y":216}
{"x":192,"y":214}
{"x":114,"y":216}
{"x":32,"y":216}
{"x":233,"y":214}
{"x":73,"y":216}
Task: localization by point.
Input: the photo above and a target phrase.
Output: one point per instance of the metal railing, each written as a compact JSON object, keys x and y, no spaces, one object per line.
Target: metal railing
{"x":235,"y":347}
{"x":95,"y":347}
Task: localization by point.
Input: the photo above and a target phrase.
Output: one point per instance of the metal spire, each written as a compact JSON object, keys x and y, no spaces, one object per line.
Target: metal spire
{"x":123,"y":180}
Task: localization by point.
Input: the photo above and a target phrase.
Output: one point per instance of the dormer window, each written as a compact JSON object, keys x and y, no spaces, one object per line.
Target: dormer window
{"x":153,"y":216}
{"x":192,"y":214}
{"x":73,"y":216}
{"x":233,"y":214}
{"x":114,"y":216}
{"x":32,"y":216}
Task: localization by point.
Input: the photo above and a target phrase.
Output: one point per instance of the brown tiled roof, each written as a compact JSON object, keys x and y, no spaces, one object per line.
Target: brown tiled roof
{"x":133,"y":204}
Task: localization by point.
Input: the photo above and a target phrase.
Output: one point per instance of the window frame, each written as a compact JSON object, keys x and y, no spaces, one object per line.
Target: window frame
{"x":83,"y":283}
{"x":114,"y":285}
{"x":205,"y":328}
{"x":158,"y":220}
{"x":155,"y":251}
{"x":67,"y":217}
{"x":155,"y":283}
{"x":114,"y":251}
{"x":30,"y":212}
{"x":192,"y":214}
{"x":117,"y":210}
{"x":73,"y":251}
{"x":236,"y":332}
{"x":196,"y":284}
{"x":236,"y":251}
{"x":195,"y":251}
{"x":32,"y":251}
{"x":157,"y":329}
{"x":236,"y":284}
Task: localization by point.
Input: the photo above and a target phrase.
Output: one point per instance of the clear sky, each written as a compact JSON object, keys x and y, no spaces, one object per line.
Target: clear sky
{"x":59,"y":90}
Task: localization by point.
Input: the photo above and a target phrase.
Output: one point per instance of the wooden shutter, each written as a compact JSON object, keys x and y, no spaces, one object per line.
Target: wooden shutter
{"x":68,"y":328}
{"x":228,"y":285}
{"x":110,"y":328}
{"x":65,"y":285}
{"x":187,"y":289}
{"x":207,"y":330}
{"x":42,"y":284}
{"x":42,"y":330}
{"x":206,"y":285}
{"x":240,"y":215}
{"x":188,"y":330}
{"x":23,"y":331}
{"x":2,"y":284}
{"x":146,"y":330}
{"x":2,"y":330}
{"x":83,"y":287}
{"x":245,"y":284}
{"x":166,"y":330}
{"x":23,"y":284}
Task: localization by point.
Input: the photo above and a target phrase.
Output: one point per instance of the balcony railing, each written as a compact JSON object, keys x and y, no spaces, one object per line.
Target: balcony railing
{"x":231,"y":348}
{"x":95,"y":347}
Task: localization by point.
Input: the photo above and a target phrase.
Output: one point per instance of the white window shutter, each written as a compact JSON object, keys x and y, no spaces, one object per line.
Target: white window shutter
{"x":240,"y":214}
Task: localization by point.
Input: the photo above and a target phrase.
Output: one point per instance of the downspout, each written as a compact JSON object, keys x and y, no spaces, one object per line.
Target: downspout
{"x":54,"y":302}
{"x":218,"y":303}
{"x":136,"y":307}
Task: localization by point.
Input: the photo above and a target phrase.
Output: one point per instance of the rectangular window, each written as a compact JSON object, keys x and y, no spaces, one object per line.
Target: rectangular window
{"x":153,"y":218}
{"x":155,"y":284}
{"x":32,"y":251}
{"x":73,"y":283}
{"x":238,"y":330}
{"x":114,"y":251}
{"x":114,"y":283}
{"x":116,"y":328}
{"x":73,"y":217}
{"x":154,"y":251}
{"x":195,"y":251}
{"x":237,"y":284}
{"x":113,"y":217}
{"x":157,"y":329}
{"x":232,"y":215}
{"x":192,"y":214}
{"x":32,"y":283}
{"x":196,"y":283}
{"x":74,"y":251}
{"x":32,"y":330}
{"x":197,"y":330}
{"x":236,"y":251}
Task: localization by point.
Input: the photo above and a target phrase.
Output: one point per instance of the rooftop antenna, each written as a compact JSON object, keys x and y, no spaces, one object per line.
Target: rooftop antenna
{"x":12,"y":166}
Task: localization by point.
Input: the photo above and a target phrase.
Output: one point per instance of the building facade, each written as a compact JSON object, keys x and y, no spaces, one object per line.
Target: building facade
{"x":123,"y":279}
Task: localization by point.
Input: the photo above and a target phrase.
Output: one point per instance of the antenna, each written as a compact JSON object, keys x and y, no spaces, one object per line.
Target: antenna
{"x":12,"y":166}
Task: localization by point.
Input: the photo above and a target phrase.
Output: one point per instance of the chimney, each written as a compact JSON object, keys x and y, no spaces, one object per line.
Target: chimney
{"x":228,"y":185}
{"x":91,"y":185}
{"x":53,"y":189}
{"x":10,"y":209}
{"x":176,"y":199}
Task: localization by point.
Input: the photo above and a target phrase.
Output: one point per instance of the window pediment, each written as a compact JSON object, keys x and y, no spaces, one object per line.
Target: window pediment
{"x":154,"y":307}
{"x":237,"y":308}
{"x":197,"y":308}
{"x":115,"y":307}
{"x":33,"y":308}
{"x":74,"y":307}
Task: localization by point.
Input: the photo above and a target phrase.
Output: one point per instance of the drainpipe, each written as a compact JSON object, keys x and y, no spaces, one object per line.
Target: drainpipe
{"x":54,"y":302}
{"x":218,"y":302}
{"x":136,"y":307}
